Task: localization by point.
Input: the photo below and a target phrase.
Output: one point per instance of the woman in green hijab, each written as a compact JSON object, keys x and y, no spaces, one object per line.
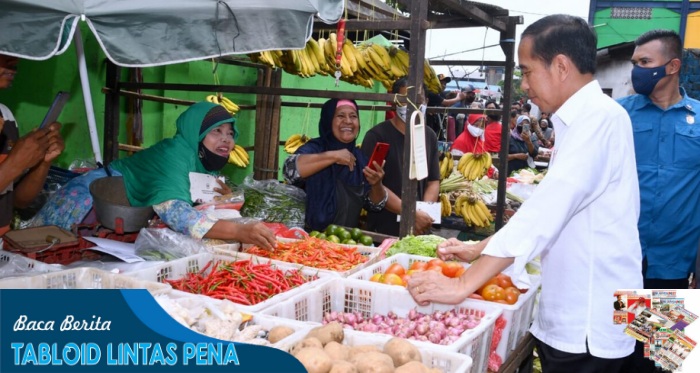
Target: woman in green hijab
{"x":159,"y":177}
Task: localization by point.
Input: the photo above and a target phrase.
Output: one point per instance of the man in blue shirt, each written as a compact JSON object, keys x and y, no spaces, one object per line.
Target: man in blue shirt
{"x":666,"y":124}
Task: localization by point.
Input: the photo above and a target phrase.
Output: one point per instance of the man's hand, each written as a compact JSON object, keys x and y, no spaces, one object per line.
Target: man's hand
{"x":257,"y":234}
{"x":56,"y":145}
{"x":429,"y":286}
{"x":455,"y":249}
{"x":30,"y":149}
{"x":345,"y":158}
{"x":423,"y":222}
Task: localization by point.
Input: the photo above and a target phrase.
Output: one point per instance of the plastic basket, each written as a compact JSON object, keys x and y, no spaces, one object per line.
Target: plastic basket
{"x":446,"y":361}
{"x":19,"y":265}
{"x":517,"y":316}
{"x":371,"y":253}
{"x":82,"y":278}
{"x":369,"y":298}
{"x":176,"y":269}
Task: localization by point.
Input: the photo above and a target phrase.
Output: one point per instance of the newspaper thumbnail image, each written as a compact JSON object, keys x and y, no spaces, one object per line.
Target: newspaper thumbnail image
{"x":643,"y":327}
{"x":674,"y":351}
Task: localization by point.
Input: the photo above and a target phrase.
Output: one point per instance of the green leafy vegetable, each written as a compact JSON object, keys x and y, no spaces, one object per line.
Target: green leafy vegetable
{"x":416,"y":245}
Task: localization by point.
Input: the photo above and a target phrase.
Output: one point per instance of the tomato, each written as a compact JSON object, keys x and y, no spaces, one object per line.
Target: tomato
{"x":491,"y":281}
{"x":419,"y":266}
{"x":437,"y":269}
{"x":405,"y":278}
{"x":475,"y":296}
{"x":395,"y":268}
{"x":377,"y":277}
{"x":502,"y":301}
{"x":436,"y":262}
{"x":493,"y":293}
{"x":450,"y":269}
{"x":512,"y":295}
{"x":393,"y":279}
{"x":460,"y":272}
{"x":503,"y":280}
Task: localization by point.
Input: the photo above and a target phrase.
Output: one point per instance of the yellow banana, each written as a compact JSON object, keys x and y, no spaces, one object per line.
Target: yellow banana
{"x":350,"y":55}
{"x":229,"y":105}
{"x":318,"y":53}
{"x":382,"y":53}
{"x":214,"y":99}
{"x":242,"y":154}
{"x":462,"y":161}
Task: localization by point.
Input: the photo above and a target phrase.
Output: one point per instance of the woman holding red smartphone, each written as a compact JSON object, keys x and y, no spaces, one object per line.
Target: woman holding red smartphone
{"x":334,"y":172}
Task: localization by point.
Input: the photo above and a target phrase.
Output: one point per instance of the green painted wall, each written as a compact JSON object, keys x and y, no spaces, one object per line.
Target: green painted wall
{"x":37,"y":82}
{"x":615,"y":31}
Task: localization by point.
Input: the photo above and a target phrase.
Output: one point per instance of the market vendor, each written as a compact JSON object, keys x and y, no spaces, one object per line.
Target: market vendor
{"x":24,"y":161}
{"x":334,"y":172}
{"x":471,"y":140}
{"x":521,"y":149}
{"x":159,"y":177}
{"x":590,"y":200}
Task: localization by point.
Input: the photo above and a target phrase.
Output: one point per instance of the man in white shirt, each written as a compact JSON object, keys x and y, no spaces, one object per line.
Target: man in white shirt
{"x":590,"y":200}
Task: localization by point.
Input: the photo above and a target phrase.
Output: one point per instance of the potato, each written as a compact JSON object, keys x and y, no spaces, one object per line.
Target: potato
{"x":315,"y":360}
{"x":341,"y":366}
{"x":337,"y":351}
{"x":412,"y":367}
{"x":279,"y":333}
{"x":304,"y":343}
{"x":373,"y":362}
{"x":401,"y":351}
{"x":329,"y":332}
{"x":361,"y":349}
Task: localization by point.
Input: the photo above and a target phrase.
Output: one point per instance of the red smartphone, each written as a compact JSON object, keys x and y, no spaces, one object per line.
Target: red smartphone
{"x":379,"y":154}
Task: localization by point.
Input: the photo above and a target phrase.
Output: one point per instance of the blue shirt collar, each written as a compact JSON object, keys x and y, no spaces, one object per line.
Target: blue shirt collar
{"x":640,"y":101}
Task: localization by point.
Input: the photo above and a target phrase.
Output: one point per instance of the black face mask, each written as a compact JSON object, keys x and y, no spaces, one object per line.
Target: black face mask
{"x":210,"y":160}
{"x":469,"y":100}
{"x":494,"y":118}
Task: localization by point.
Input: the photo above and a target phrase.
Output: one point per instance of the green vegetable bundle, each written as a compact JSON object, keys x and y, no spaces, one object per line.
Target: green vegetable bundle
{"x":271,"y":201}
{"x":416,"y":245}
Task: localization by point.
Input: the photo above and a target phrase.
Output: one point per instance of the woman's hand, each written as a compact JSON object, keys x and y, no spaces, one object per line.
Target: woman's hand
{"x":223,"y":189}
{"x":453,"y":248}
{"x":430,"y":286}
{"x":374,"y":173}
{"x":257,"y":234}
{"x":344,"y":157}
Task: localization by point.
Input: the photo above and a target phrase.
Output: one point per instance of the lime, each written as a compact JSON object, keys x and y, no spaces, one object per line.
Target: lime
{"x":331,"y":230}
{"x":350,"y":242}
{"x":321,"y":236}
{"x":343,"y":234}
{"x":366,"y":240}
{"x":314,"y":233}
{"x":356,"y":233}
{"x":333,"y":238}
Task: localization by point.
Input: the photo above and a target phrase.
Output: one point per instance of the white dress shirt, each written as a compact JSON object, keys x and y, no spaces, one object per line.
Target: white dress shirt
{"x":582,"y":220}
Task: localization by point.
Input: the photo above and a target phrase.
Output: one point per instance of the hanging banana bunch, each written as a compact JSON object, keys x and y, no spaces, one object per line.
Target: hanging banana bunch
{"x":445,"y":206}
{"x":446,"y":165}
{"x":474,"y":166}
{"x":239,"y":157}
{"x":231,"y":107}
{"x":294,"y":142}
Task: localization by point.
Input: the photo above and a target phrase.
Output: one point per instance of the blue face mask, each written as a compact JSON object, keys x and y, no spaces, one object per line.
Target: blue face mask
{"x":644,"y":79}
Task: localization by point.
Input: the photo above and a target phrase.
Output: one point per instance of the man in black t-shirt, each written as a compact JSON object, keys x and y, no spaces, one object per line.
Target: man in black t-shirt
{"x":392,"y":132}
{"x":435,"y":120}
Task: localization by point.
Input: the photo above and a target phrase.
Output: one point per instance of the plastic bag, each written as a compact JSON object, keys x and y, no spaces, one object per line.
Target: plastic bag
{"x":233,"y":200}
{"x":166,"y":244}
{"x":273,"y":202}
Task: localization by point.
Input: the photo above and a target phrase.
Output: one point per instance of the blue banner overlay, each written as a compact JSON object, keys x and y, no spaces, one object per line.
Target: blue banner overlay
{"x":115,"y":331}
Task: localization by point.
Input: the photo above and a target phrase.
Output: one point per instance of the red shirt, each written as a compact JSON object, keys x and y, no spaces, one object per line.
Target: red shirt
{"x":492,"y":137}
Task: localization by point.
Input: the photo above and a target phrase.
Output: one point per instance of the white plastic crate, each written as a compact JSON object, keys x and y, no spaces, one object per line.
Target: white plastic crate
{"x":446,"y":361}
{"x":12,"y":264}
{"x":178,"y":268}
{"x":82,"y":278}
{"x":266,"y":321}
{"x":517,"y":316}
{"x":371,"y":253}
{"x":369,"y":298}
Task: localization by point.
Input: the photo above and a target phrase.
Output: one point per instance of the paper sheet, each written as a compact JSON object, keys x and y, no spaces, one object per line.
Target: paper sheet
{"x":202,"y":187}
{"x":433,"y":209}
{"x":419,"y":158}
{"x":122,"y":250}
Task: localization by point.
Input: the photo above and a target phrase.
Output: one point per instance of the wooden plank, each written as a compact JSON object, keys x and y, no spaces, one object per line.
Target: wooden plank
{"x":364,"y":25}
{"x":111,"y":118}
{"x":163,"y":99}
{"x":318,"y":105}
{"x":272,"y":163}
{"x":409,"y":188}
{"x":466,"y":62}
{"x":260,"y":119}
{"x":371,"y":9}
{"x":472,"y":11}
{"x":360,"y":96}
{"x":508,"y":46}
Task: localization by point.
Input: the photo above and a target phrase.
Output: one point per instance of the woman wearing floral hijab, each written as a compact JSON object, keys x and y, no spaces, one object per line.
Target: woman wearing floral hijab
{"x":334,"y":172}
{"x":159,"y":177}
